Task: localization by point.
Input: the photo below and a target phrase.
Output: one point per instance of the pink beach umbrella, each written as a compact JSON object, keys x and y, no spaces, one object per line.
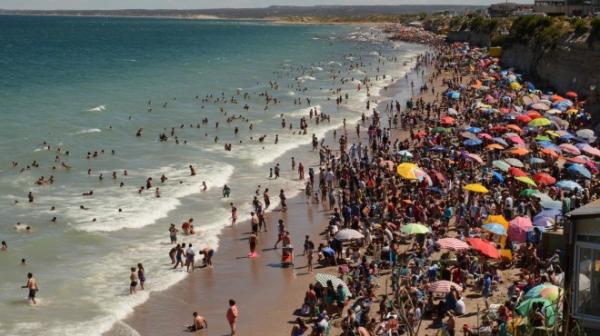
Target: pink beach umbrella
{"x":452,"y":244}
{"x":518,"y":228}
{"x":566,"y":147}
{"x":590,"y":150}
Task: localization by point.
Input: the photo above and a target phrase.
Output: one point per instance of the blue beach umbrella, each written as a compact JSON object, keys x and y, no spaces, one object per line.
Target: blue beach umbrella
{"x":472,"y":142}
{"x":568,"y":185}
{"x":454,"y":95}
{"x":498,"y":176}
{"x":500,"y":141}
{"x":580,"y":169}
{"x":535,"y":160}
{"x":551,"y":204}
{"x":328,"y":250}
{"x":495,"y":228}
{"x":550,"y":145}
{"x":546,"y":217}
{"x":474,"y":130}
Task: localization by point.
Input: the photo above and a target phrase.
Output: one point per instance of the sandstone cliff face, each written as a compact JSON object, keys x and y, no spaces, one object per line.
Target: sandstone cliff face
{"x":569,"y":67}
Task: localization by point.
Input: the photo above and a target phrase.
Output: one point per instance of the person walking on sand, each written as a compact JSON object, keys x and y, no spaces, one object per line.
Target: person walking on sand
{"x":32,"y":286}
{"x":252,"y":241}
{"x":232,"y":317}
{"x":133,"y":281}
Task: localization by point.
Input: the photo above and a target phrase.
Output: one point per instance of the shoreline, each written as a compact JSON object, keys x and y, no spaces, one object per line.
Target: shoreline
{"x":173,"y":306}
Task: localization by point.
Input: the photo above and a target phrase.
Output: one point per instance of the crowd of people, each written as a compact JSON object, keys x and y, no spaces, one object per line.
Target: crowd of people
{"x":440,"y":214}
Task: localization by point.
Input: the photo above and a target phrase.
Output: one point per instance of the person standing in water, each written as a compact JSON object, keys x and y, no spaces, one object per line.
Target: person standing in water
{"x":32,"y":286}
{"x":266,"y":198}
{"x":133,"y":281}
{"x":141,"y":275}
{"x":252,"y":241}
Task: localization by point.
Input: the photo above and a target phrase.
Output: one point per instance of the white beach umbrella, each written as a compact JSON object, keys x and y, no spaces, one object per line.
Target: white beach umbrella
{"x":348,"y":234}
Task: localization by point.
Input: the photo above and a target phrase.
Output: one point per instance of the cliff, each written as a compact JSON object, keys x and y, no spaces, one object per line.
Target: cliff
{"x":474,"y":38}
{"x":570,"y":66}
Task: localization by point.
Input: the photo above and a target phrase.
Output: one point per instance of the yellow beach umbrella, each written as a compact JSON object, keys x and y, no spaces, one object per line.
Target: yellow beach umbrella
{"x":476,"y":187}
{"x":515,"y":86}
{"x":497,"y":219}
{"x":552,"y":133}
{"x":407,"y":170}
{"x":539,"y":122}
{"x":526,"y":180}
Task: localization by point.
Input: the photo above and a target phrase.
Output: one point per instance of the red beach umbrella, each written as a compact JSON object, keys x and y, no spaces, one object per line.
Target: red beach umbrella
{"x":444,"y":286}
{"x":484,"y":247}
{"x":571,"y":94}
{"x":514,"y":171}
{"x":544,"y":178}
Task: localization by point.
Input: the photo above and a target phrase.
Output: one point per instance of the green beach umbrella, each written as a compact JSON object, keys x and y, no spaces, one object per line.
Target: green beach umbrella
{"x":528,"y":192}
{"x":322,"y":278}
{"x":441,"y":130}
{"x":542,"y":138}
{"x":414,"y":228}
{"x":525,"y":306}
{"x":501,"y":165}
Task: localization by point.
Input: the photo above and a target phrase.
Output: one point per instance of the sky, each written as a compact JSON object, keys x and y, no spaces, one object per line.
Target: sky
{"x":200,"y":4}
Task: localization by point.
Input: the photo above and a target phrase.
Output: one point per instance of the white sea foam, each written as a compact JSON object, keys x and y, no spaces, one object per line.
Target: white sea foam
{"x":89,"y":130}
{"x":140,"y":210}
{"x":99,"y":108}
{"x":304,"y":112}
{"x":303,"y":78}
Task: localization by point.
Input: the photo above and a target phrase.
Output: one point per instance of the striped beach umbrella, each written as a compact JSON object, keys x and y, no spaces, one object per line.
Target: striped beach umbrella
{"x":452,"y":244}
{"x":444,"y":286}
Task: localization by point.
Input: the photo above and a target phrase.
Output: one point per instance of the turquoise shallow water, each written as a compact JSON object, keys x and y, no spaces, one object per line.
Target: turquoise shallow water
{"x":83,"y":85}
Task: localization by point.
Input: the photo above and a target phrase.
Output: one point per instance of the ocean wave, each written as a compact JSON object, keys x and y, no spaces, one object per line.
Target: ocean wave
{"x":89,"y":130}
{"x":98,"y":108}
{"x":304,"y":112}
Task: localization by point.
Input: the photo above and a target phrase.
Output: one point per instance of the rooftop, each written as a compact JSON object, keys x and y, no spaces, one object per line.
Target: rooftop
{"x":589,"y":210}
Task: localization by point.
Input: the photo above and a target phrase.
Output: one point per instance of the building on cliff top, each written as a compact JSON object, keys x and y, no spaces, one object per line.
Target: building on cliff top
{"x":505,"y":9}
{"x":567,"y":7}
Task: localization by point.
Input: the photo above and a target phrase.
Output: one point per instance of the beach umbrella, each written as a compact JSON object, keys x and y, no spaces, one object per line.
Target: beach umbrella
{"x":536,"y":160}
{"x":414,"y":228}
{"x":571,"y":94}
{"x":528,"y":192}
{"x":534,"y":291}
{"x":452,"y":244}
{"x":498,"y":219}
{"x":494,"y":146}
{"x":549,"y":152}
{"x":520,"y":151}
{"x":323,"y":278}
{"x":476,"y":187}
{"x":514,"y":162}
{"x":542,"y":138}
{"x":568,"y":148}
{"x":539,"y":122}
{"x":525,"y":307}
{"x":474,"y":129}
{"x":328,"y":250}
{"x":551,"y":204}
{"x":452,"y":112}
{"x":500,"y":141}
{"x":484,"y":247}
{"x":577,"y":159}
{"x":501,"y":165}
{"x":472,"y":142}
{"x":494,"y":228}
{"x":441,"y":130}
{"x":518,"y":228}
{"x":515,"y":86}
{"x":514,"y":171}
{"x":407,"y":170}
{"x":585,"y":133}
{"x":533,"y":114}
{"x":546,"y":217}
{"x":454,"y":95}
{"x":580,"y":170}
{"x":568,"y":185}
{"x":516,"y":139}
{"x":514,"y":128}
{"x":586,"y":148}
{"x":348,"y":234}
{"x":523,"y":118}
{"x":475,"y":157}
{"x":498,"y":176}
{"x":468,"y":135}
{"x":550,"y":292}
{"x":444,"y":286}
{"x":526,"y":180}
{"x":485,"y":136}
{"x":447,"y":120}
{"x":540,"y":106}
{"x":544,"y":179}
{"x":553,"y":111}
{"x":405,"y":153}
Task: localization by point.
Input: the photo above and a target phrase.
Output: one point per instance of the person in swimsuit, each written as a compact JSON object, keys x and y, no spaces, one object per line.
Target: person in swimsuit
{"x":133,"y":277}
{"x":199,"y":323}
{"x":141,"y":275}
{"x":252,"y":242}
{"x":190,"y":256}
{"x":232,"y":317}
{"x":178,"y":256}
{"x":32,"y":286}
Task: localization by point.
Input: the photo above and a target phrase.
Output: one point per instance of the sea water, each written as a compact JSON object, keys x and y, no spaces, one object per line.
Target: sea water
{"x":87,"y":85}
